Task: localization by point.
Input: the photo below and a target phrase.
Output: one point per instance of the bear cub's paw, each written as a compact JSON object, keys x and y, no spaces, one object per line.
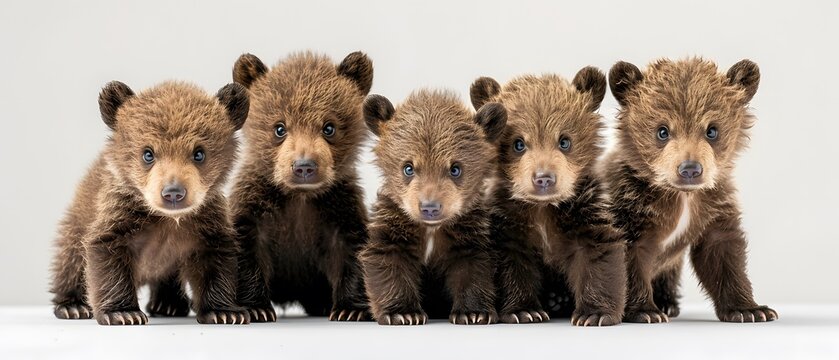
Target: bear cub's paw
{"x":129,"y":317}
{"x":647,"y":316}
{"x":168,"y":306}
{"x":262,"y":313}
{"x":232,"y":317}
{"x":671,"y":310}
{"x":594,"y":319}
{"x":473,"y":317}
{"x":525,"y":317}
{"x":758,"y":314}
{"x":415,"y":318}
{"x":339,"y":314}
{"x":73,"y":311}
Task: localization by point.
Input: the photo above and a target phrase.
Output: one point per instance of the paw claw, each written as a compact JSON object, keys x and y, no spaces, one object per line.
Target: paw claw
{"x":525,"y":317}
{"x":649,"y":316}
{"x":73,"y":311}
{"x":130,"y":317}
{"x":232,"y":317}
{"x":403,"y":319}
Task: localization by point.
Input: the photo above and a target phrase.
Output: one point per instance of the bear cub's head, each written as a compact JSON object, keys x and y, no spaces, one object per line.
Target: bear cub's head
{"x":435,"y":155}
{"x":173,"y":143}
{"x":305,"y":126}
{"x":682,"y":123}
{"x":553,"y":133}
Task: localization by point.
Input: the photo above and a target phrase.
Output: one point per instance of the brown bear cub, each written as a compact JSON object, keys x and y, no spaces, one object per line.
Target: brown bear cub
{"x":151,"y":210}
{"x":430,"y":251}
{"x":551,"y":214}
{"x":680,"y":128}
{"x":297,"y":205}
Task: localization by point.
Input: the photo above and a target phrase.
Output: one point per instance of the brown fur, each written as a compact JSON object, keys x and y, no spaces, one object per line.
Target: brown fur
{"x":119,"y":233}
{"x":564,"y":228}
{"x":662,"y":213}
{"x":299,"y":240}
{"x":414,"y":266}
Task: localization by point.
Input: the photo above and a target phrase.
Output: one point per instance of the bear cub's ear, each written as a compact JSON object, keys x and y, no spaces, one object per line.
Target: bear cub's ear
{"x":247,"y":69}
{"x":113,"y":95}
{"x":591,"y":80}
{"x":746,"y":74}
{"x":358,"y":68}
{"x":622,"y":78}
{"x":492,"y":117}
{"x":377,"y":110}
{"x":234,"y":98}
{"x":483,"y":89}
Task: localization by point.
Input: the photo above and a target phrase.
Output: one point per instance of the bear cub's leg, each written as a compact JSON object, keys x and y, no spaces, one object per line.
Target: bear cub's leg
{"x":168,"y":297}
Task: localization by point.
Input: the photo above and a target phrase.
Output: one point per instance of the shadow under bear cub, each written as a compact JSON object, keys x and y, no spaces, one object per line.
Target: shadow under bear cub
{"x":151,"y":210}
{"x":430,"y":252}
{"x":551,"y":219}
{"x":297,"y":205}
{"x":680,"y":128}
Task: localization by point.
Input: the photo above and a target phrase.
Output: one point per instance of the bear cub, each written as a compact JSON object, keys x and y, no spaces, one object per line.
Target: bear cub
{"x":430,"y":251}
{"x":680,"y":128}
{"x":297,"y":206}
{"x":551,"y":218}
{"x":151,"y":210}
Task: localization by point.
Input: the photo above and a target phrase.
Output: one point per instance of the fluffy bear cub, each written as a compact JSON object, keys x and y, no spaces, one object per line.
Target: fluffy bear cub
{"x":151,"y":210}
{"x":680,"y":128}
{"x":297,"y":205}
{"x":552,"y":216}
{"x":430,"y":252}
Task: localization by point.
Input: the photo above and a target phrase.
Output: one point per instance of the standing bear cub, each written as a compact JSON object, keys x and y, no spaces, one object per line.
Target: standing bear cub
{"x":297,"y":205}
{"x":430,"y":252}
{"x":680,"y":128}
{"x":552,"y":219}
{"x":151,"y":210}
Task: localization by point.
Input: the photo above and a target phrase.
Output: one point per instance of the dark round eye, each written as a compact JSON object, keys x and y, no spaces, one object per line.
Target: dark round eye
{"x":663,"y":133}
{"x":328,"y":129}
{"x":565,"y":143}
{"x":408,"y":170}
{"x":518,"y":145}
{"x":712,"y":133}
{"x":198,"y":156}
{"x":148,"y":156}
{"x":455,"y":171}
{"x":280,"y":131}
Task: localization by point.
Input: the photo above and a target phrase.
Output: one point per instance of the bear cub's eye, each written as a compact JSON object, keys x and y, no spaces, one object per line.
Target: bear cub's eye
{"x":663,"y":133}
{"x":564,"y":143}
{"x":518,"y":145}
{"x":198,"y":156}
{"x":328,"y":130}
{"x":408,"y":170}
{"x":712,"y":133}
{"x":148,"y":156}
{"x":455,"y":171}
{"x":280,"y":131}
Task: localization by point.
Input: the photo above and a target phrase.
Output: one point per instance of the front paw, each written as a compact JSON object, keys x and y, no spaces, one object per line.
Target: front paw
{"x":262,"y":313}
{"x":130,"y":317}
{"x":758,"y":314}
{"x":672,"y":310}
{"x":415,"y":318}
{"x":232,"y":317}
{"x":473,"y":317}
{"x":648,"y":316}
{"x":594,"y":319}
{"x":168,"y":307}
{"x":73,"y":311}
{"x":525,"y":317}
{"x":349,"y":315}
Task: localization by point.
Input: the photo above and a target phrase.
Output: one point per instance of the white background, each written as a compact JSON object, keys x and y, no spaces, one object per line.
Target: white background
{"x":57,"y":55}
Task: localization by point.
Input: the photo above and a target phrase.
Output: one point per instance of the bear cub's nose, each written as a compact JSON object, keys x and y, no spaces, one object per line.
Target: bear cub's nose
{"x":304,"y":168}
{"x":430,"y":209}
{"x":690,"y":169}
{"x":173,"y":193}
{"x":544,"y":180}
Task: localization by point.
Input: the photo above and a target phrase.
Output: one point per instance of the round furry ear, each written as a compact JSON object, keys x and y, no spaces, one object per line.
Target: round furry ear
{"x":234,"y":98}
{"x":591,"y":80}
{"x":112,"y":96}
{"x":745,"y":73}
{"x":247,"y":69}
{"x":358,"y":67}
{"x":377,"y":109}
{"x":622,"y":78}
{"x":493,"y":118}
{"x":482,"y":90}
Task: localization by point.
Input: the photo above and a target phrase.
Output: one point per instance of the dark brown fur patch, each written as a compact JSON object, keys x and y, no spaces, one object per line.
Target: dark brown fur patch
{"x":113,"y":95}
{"x":247,"y":69}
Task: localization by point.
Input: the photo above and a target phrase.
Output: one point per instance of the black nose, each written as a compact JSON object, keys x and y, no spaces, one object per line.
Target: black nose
{"x":544,"y":180}
{"x":430,"y":209}
{"x":173,"y":193}
{"x":304,"y":168}
{"x":690,"y":169}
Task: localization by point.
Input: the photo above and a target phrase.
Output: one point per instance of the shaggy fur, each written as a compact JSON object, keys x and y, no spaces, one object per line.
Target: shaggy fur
{"x":665,"y":210}
{"x":416,"y":267}
{"x":300,"y":236}
{"x":120,"y":233}
{"x":562,"y":225}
